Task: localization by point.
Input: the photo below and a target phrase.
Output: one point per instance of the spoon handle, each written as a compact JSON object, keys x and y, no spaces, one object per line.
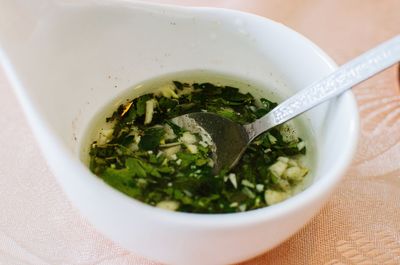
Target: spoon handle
{"x":346,"y":76}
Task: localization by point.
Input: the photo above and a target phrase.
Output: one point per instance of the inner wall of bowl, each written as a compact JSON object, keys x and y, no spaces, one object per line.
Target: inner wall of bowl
{"x":102,"y":51}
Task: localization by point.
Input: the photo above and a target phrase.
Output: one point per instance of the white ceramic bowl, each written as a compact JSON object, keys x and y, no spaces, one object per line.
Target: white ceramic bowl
{"x":68,"y":59}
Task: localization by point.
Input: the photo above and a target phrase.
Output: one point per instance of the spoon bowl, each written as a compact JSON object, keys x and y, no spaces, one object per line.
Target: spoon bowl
{"x":68,"y":59}
{"x":229,"y":138}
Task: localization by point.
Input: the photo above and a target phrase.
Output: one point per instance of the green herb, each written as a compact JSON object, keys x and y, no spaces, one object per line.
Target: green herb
{"x":151,"y":138}
{"x":149,"y":158}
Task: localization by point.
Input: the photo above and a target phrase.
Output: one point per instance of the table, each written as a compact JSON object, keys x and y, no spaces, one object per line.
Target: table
{"x":359,"y":225}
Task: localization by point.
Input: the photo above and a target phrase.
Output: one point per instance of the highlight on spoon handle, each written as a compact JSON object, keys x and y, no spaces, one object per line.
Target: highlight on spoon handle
{"x":346,"y":76}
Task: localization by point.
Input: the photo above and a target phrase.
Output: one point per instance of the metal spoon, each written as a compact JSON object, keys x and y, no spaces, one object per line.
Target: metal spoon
{"x":231,"y":139}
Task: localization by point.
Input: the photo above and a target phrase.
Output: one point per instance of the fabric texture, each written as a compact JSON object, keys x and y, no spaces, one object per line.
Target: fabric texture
{"x":359,"y":225}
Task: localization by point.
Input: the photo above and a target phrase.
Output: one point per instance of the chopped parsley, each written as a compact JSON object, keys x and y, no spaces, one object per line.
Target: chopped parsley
{"x":151,"y":159}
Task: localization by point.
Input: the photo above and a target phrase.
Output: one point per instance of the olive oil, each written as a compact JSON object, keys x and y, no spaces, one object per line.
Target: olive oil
{"x":100,"y":130}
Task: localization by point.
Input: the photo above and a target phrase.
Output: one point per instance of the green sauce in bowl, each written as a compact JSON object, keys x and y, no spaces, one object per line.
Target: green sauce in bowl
{"x":146,"y":156}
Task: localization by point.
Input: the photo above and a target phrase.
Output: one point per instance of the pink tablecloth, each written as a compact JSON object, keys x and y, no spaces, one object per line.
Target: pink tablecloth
{"x":359,"y":225}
